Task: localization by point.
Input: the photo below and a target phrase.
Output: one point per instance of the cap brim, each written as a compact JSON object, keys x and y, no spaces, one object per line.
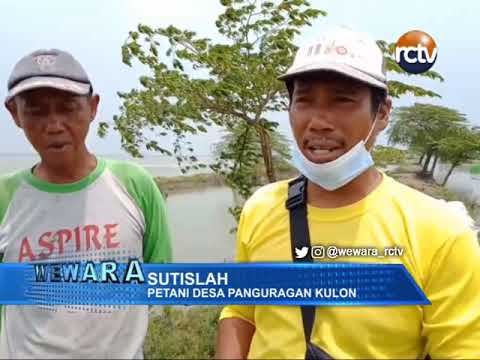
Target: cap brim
{"x":37,"y":82}
{"x":343,"y":69}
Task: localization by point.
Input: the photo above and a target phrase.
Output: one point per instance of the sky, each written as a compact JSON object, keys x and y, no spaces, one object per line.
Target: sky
{"x":94,"y":31}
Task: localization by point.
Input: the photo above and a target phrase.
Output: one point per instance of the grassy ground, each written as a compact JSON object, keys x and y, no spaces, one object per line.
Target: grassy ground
{"x":179,"y":333}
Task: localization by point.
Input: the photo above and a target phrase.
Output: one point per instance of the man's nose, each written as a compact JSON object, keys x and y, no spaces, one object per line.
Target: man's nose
{"x":55,"y":123}
{"x":321,"y":120}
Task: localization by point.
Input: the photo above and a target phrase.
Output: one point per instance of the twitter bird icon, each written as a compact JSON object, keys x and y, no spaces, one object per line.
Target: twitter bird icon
{"x":301,"y":253}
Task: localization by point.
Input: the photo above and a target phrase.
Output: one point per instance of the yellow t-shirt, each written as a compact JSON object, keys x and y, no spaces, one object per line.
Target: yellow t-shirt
{"x":440,"y":252}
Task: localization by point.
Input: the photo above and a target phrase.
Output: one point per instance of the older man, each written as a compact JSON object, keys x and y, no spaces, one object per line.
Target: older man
{"x":72,"y":205}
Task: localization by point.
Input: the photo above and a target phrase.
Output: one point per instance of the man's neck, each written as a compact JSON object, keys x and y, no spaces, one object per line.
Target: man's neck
{"x":77,"y":169}
{"x":348,"y":194}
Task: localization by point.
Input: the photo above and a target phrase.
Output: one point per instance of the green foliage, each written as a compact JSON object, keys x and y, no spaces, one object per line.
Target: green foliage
{"x":238,"y":157}
{"x":422,"y":126}
{"x":182,"y":334}
{"x":235,"y":211}
{"x":386,"y":155}
{"x":241,"y":140}
{"x":459,"y":146}
{"x":436,"y":130}
{"x":475,"y":170}
{"x":194,"y":83}
{"x":103,"y":129}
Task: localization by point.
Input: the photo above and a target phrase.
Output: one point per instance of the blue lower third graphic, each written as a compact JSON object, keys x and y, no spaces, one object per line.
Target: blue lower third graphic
{"x":135,"y":283}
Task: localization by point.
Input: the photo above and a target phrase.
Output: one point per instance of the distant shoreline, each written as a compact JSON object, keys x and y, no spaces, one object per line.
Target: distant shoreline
{"x":405,"y":174}
{"x":187,"y":183}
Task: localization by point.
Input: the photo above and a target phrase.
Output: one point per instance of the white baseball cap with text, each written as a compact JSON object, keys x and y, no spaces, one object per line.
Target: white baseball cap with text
{"x":353,"y":54}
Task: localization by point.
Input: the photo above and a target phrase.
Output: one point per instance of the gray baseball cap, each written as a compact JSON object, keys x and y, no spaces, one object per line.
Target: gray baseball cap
{"x":48,"y":68}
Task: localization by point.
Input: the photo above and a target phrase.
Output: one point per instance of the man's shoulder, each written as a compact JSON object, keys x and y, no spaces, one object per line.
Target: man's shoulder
{"x":137,"y":182}
{"x":10,"y":182}
{"x":268,"y":198}
{"x":127,"y":167}
{"x":428,"y":210}
{"x":129,"y":173}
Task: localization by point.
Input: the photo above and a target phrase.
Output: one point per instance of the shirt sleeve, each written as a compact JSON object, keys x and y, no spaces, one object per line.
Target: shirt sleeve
{"x":157,"y":240}
{"x":451,"y":323}
{"x":244,"y":312}
{"x":142,"y":187}
{"x":8,"y":186}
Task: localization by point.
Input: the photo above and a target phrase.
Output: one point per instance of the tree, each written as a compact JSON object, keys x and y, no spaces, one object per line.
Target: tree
{"x":213,"y":83}
{"x":194,"y":83}
{"x":241,"y":139}
{"x":461,"y":146}
{"x":422,"y":127}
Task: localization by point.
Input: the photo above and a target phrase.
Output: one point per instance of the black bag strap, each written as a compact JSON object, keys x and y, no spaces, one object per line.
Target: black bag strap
{"x":300,"y":237}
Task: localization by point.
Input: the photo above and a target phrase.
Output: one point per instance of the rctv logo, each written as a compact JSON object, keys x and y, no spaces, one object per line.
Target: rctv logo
{"x":415,"y":52}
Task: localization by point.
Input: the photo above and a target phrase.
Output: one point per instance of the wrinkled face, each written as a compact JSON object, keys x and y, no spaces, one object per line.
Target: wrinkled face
{"x":331,"y":113}
{"x":55,"y":122}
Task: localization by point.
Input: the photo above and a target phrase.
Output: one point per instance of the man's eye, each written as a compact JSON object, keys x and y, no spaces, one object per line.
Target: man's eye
{"x":302,"y":99}
{"x":35,"y":111}
{"x":344,"y":99}
{"x":69,"y":107}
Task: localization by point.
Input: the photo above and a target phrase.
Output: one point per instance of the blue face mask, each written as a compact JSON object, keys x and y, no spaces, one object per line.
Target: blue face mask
{"x":339,"y":172}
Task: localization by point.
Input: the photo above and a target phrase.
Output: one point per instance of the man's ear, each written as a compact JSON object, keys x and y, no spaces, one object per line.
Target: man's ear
{"x":94,"y":101}
{"x":13,"y":110}
{"x":383,"y":115}
{"x":381,"y":121}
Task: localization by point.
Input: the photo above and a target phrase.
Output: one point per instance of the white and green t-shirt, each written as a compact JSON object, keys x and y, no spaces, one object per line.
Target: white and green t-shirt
{"x":117,"y":212}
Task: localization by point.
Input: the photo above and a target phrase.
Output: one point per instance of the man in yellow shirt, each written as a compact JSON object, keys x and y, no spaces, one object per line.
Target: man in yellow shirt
{"x":338,"y":106}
